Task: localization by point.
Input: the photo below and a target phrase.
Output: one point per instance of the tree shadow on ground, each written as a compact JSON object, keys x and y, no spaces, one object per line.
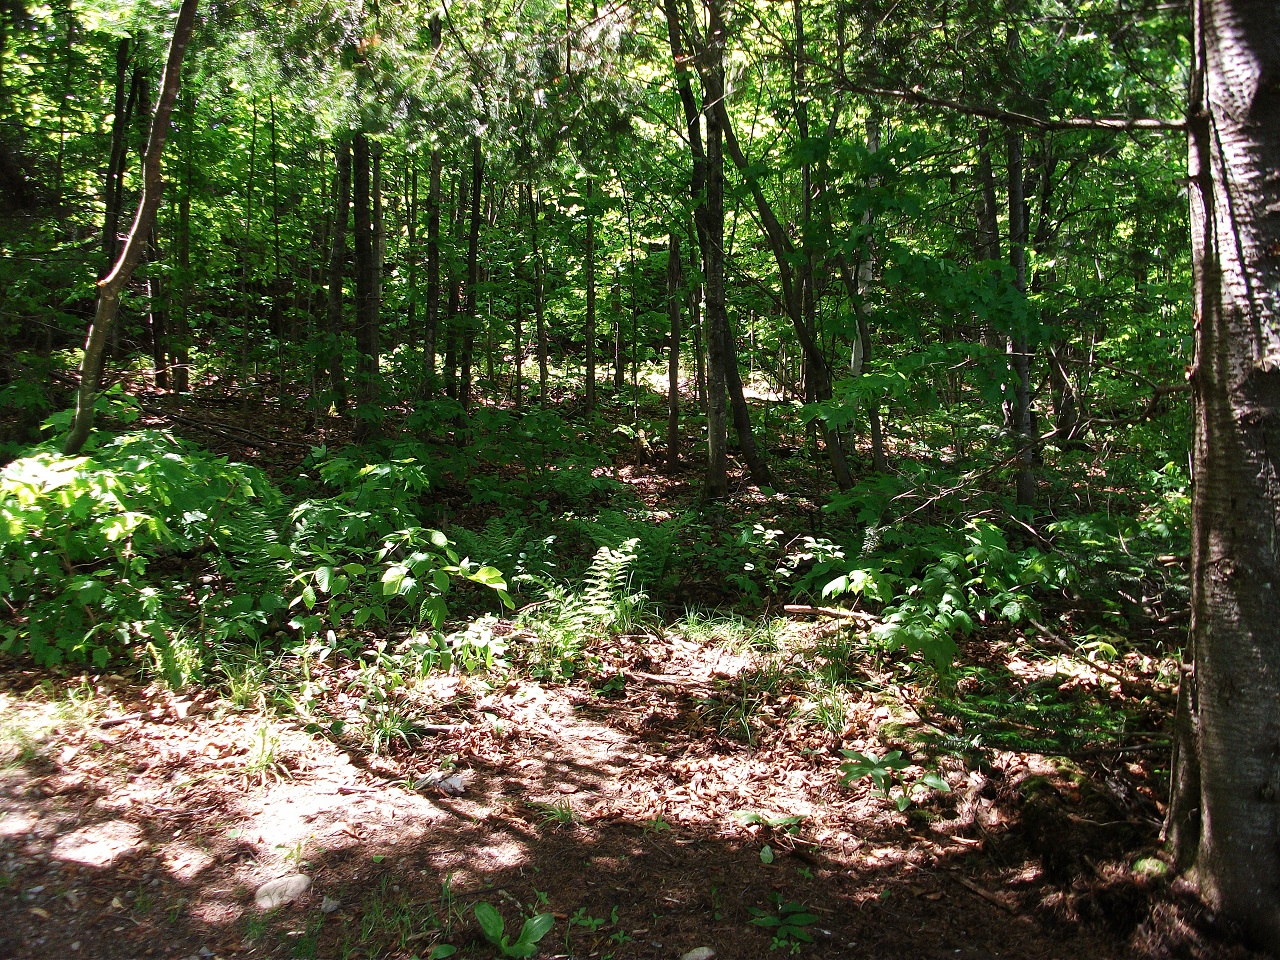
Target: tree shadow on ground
{"x":151,"y":837}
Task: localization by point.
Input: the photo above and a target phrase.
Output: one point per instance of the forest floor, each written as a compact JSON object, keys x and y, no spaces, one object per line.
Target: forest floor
{"x":681,"y":802}
{"x":138,"y":822}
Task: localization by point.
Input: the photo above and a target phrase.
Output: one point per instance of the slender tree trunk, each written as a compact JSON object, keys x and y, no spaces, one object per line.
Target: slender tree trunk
{"x":433,"y":276}
{"x":535,"y":201}
{"x":366,"y":287}
{"x":619,"y":355}
{"x":1224,"y":817}
{"x":456,"y":282}
{"x":470,"y":318}
{"x":817,"y":368}
{"x":337,"y":269}
{"x":695,"y":325}
{"x":1019,"y":411}
{"x":248,"y":314}
{"x":113,"y":188}
{"x":157,"y":315}
{"x":181,"y":380}
{"x":412,"y":260}
{"x":111,"y":286}
{"x":589,"y":333}
{"x":718,"y":336}
{"x":673,"y":352}
{"x":988,"y":216}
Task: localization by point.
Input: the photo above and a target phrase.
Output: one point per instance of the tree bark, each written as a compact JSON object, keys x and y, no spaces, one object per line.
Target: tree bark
{"x":112,"y":285}
{"x":366,"y":268}
{"x":1018,"y":411}
{"x":470,"y":319}
{"x":181,"y":339}
{"x":589,"y":333}
{"x":1224,"y":818}
{"x":717,"y":482}
{"x":535,"y":201}
{"x":432,"y":325}
{"x":673,"y":356}
{"x":114,"y":185}
{"x":337,"y":269}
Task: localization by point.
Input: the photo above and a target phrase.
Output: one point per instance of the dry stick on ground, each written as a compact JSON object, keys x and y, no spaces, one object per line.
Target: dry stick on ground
{"x":984,"y":893}
{"x":1065,"y":647}
{"x":837,"y":612}
{"x":226,"y":433}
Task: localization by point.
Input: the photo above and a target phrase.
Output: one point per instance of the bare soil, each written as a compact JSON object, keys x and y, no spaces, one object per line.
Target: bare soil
{"x":135,"y":822}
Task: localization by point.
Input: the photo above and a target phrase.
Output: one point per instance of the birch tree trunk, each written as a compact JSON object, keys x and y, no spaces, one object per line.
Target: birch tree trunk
{"x":1224,"y":818}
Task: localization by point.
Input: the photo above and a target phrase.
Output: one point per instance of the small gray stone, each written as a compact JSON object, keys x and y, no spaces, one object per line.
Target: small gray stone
{"x":276,"y":893}
{"x":330,"y":905}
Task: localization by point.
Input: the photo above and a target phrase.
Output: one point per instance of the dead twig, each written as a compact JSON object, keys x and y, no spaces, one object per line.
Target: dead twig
{"x":1066,"y":648}
{"x":984,"y":893}
{"x":838,"y":613}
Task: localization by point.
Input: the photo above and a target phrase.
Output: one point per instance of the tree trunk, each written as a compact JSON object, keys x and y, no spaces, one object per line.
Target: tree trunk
{"x":1018,"y":411}
{"x":181,"y":334}
{"x":473,"y":273}
{"x":673,"y":355}
{"x":366,"y":287}
{"x":433,"y":276}
{"x":337,"y":269}
{"x":619,"y":352}
{"x":454,"y":317}
{"x":1224,"y":818}
{"x":589,"y":333}
{"x":718,"y":336}
{"x":535,"y":201}
{"x":111,"y":286}
{"x":114,"y":187}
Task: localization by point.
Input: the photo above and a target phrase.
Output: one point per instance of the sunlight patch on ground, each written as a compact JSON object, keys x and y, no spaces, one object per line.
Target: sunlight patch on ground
{"x":99,"y":844}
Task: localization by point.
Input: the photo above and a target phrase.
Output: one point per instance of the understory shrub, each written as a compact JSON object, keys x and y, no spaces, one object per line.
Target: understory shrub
{"x":152,"y":544}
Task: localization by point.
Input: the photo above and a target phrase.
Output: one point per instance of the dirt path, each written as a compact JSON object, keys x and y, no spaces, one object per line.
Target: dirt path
{"x":142,"y":824}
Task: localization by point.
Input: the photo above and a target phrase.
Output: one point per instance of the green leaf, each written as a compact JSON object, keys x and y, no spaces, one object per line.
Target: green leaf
{"x":766,"y":854}
{"x":442,"y":950}
{"x":936,"y":782}
{"x":491,"y":922}
{"x":536,"y":927}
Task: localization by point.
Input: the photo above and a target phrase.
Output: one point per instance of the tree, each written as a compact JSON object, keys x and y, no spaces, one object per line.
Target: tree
{"x":1224,"y":818}
{"x":112,"y":285}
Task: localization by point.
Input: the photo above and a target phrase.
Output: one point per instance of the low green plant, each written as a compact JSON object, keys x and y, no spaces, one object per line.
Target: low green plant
{"x":581,"y":918}
{"x":560,"y":813}
{"x":263,"y":763}
{"x":786,"y":922}
{"x":526,"y":944}
{"x":886,"y":773}
{"x":153,"y":549}
{"x":564,"y":624}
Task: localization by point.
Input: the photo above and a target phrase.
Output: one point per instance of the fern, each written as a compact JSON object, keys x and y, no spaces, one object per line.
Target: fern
{"x":566,"y":621}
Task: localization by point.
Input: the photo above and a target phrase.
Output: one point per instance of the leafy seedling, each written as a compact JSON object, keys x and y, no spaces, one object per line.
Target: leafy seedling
{"x":883,"y":771}
{"x":525,"y":945}
{"x":787,"y":922}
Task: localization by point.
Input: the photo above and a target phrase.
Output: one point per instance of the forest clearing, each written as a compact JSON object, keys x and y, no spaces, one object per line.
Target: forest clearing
{"x":706,"y":479}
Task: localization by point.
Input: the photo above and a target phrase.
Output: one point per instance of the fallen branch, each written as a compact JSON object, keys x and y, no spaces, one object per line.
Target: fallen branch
{"x":226,"y":433}
{"x":1066,"y":648}
{"x":838,"y":613}
{"x":984,"y":893}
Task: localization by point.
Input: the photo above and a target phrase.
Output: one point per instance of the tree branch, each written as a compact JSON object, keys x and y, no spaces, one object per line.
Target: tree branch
{"x":1013,"y":118}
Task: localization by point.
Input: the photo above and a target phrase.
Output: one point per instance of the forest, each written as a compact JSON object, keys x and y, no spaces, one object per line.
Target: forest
{"x":705,"y":478}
